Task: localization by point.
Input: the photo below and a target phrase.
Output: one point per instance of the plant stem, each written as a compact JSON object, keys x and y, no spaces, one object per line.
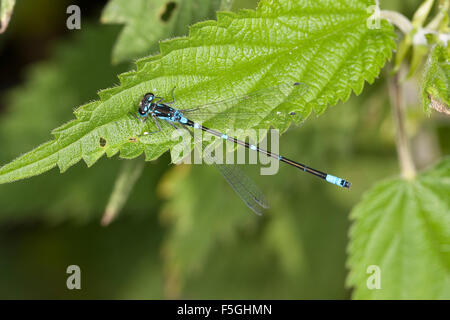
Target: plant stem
{"x":398,"y":20}
{"x":129,"y":173}
{"x":406,"y":163}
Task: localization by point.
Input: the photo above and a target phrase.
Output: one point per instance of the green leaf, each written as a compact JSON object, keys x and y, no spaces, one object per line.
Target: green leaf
{"x":436,"y":85}
{"x":149,"y":21}
{"x":403,"y":227}
{"x":326,"y":45}
{"x":6,"y":10}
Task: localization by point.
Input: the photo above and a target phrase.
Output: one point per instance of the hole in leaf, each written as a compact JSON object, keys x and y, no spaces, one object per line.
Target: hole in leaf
{"x":168,"y":11}
{"x":102,"y":142}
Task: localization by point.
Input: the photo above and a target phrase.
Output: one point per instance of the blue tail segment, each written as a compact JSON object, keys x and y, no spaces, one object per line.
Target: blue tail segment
{"x":338,"y":181}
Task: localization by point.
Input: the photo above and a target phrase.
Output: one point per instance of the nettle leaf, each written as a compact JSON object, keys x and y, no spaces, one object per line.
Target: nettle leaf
{"x":324,"y":44}
{"x":436,"y":85}
{"x":149,"y":21}
{"x":6,"y":10}
{"x":403,"y":227}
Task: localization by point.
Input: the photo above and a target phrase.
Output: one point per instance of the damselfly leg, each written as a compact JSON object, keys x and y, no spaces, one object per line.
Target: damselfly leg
{"x":157,"y":125}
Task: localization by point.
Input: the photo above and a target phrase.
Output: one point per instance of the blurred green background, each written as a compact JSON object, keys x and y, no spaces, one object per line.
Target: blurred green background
{"x":167,"y":242}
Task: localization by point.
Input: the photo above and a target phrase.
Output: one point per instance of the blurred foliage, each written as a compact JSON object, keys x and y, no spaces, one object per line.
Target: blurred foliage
{"x":183,"y":233}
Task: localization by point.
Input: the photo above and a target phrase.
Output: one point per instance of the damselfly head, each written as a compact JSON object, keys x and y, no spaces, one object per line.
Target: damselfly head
{"x":148,"y":98}
{"x":145,"y":103}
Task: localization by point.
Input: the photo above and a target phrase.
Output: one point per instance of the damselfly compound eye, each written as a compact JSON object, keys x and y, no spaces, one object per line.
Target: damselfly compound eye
{"x":144,"y":104}
{"x":149,"y":97}
{"x":142,"y":110}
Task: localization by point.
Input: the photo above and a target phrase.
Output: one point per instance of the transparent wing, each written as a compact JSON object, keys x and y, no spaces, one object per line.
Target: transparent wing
{"x":267,"y":95}
{"x":249,"y":106}
{"x":246,"y":189}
